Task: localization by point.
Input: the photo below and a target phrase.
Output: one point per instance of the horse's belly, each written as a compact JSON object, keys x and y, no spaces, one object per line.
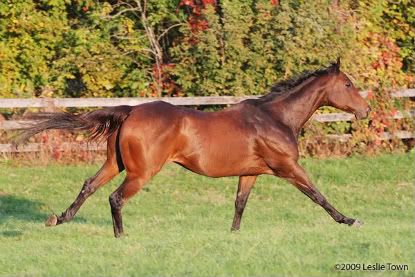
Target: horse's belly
{"x":221,"y":166}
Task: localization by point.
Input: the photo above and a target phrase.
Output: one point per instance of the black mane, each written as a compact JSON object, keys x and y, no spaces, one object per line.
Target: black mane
{"x":285,"y":86}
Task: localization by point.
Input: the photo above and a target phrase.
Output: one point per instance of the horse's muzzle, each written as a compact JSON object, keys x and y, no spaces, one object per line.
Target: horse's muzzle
{"x":362,"y":113}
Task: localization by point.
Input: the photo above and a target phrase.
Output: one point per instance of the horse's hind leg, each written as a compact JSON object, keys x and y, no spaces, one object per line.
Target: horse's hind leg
{"x":109,"y":170}
{"x":130,"y":186}
{"x":104,"y":175}
{"x":138,"y":173}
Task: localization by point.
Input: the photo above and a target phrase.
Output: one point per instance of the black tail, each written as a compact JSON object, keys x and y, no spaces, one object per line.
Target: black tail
{"x":100,"y":124}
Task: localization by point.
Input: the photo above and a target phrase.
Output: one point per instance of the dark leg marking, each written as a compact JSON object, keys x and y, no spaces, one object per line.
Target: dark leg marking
{"x":244,"y":188}
{"x":116,"y":203}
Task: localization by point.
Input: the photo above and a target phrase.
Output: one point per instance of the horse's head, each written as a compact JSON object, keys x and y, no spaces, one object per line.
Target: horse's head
{"x":342,"y":94}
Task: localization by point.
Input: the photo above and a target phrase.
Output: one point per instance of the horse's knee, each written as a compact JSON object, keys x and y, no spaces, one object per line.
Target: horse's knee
{"x":88,"y":187}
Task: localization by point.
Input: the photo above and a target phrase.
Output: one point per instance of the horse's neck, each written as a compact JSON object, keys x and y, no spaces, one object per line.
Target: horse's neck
{"x":298,"y":106}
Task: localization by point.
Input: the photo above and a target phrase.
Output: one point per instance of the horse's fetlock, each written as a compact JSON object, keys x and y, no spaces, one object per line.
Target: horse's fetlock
{"x":64,"y":217}
{"x":339,"y":219}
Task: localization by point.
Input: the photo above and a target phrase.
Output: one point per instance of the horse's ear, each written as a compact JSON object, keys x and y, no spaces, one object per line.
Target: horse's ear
{"x":335,"y":67}
{"x":338,"y":63}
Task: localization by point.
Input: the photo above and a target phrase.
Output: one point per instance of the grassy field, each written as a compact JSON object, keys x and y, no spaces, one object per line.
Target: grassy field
{"x":179,"y":224}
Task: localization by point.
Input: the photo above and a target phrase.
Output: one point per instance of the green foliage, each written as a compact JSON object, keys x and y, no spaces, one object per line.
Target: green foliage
{"x":252,"y":46}
{"x":78,"y":48}
{"x":30,"y":35}
{"x":198,"y":59}
{"x":398,"y":19}
{"x":64,"y":48}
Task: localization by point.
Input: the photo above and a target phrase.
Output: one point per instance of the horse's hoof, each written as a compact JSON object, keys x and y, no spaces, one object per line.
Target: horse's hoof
{"x":52,"y":220}
{"x":357,"y":223}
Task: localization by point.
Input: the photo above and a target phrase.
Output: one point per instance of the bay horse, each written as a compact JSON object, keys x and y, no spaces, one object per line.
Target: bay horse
{"x":253,"y":137}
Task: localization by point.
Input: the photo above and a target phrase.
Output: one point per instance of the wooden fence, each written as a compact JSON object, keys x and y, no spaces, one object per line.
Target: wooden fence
{"x":180,"y":101}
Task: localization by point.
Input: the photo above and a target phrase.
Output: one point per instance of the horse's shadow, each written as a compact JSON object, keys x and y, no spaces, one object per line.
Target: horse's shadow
{"x":18,"y":208}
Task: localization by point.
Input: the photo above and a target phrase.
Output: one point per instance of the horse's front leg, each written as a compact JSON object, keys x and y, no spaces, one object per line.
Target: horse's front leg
{"x":295,"y":174}
{"x":244,"y":188}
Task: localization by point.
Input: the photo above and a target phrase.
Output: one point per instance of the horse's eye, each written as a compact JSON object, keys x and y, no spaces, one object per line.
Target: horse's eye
{"x":348,"y":84}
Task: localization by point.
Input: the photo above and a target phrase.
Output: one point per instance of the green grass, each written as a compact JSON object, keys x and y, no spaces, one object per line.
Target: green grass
{"x":179,"y":224}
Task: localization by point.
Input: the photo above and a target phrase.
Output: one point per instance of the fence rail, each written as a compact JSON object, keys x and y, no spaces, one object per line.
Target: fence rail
{"x":180,"y":101}
{"x":110,"y":102}
{"x":36,"y":147}
{"x":329,"y":117}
